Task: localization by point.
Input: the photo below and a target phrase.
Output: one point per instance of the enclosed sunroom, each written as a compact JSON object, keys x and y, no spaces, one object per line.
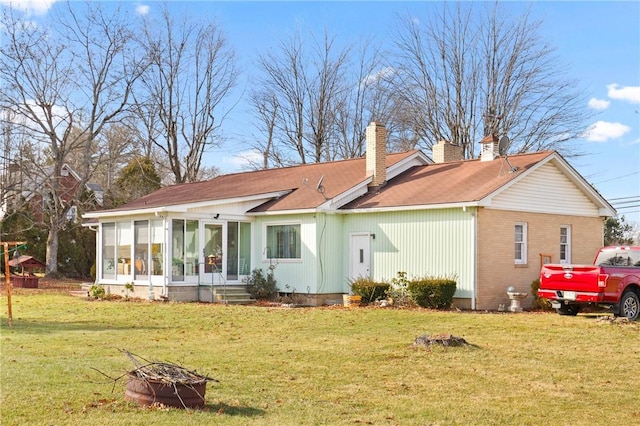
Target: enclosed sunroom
{"x":174,"y":257}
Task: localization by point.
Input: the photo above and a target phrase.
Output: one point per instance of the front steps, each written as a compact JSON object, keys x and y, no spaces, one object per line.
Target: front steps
{"x":232,"y":295}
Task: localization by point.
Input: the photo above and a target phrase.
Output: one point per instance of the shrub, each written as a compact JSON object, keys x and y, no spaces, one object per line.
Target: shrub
{"x":128,"y":288}
{"x":368,"y":289}
{"x":261,"y":287}
{"x":97,"y":292}
{"x":432,"y":292}
{"x":538,"y":302}
{"x":398,"y":290}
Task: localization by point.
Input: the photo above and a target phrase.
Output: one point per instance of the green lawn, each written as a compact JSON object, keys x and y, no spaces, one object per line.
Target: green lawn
{"x":283,"y":366}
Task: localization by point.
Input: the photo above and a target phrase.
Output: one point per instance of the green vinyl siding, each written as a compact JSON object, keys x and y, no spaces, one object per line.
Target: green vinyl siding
{"x":419,"y":242}
{"x":297,"y":275}
{"x":331,"y":275}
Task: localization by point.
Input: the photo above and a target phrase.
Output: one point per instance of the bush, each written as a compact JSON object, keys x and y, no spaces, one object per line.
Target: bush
{"x":398,"y":292}
{"x":97,"y":292}
{"x":432,"y":292}
{"x":261,"y":287}
{"x":538,"y":303}
{"x":368,"y":289}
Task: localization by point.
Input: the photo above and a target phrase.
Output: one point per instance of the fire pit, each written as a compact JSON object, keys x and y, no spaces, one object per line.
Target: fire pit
{"x":165,"y":383}
{"x":146,"y":392}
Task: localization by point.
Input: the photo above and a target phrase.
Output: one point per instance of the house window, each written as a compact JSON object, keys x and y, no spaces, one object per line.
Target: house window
{"x":123,"y":241}
{"x":109,"y":250}
{"x":191,"y":248}
{"x":157,"y":247}
{"x":283,"y":242}
{"x":565,"y":244}
{"x":184,"y":242}
{"x":141,"y":244}
{"x":177,"y":250}
{"x":520,"y":244}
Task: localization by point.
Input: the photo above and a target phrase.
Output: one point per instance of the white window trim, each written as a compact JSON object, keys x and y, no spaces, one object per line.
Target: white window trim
{"x":568,"y":244}
{"x":264,"y":240}
{"x":523,"y":260}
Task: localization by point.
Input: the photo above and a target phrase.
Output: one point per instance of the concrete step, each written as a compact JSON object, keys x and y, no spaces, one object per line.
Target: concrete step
{"x":236,"y":295}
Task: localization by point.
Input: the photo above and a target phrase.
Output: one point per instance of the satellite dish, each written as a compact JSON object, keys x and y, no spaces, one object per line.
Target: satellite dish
{"x":319,"y":186}
{"x":503,"y":145}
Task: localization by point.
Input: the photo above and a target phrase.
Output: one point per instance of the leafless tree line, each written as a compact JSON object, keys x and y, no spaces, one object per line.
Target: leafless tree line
{"x":94,"y":89}
{"x":463,"y":73}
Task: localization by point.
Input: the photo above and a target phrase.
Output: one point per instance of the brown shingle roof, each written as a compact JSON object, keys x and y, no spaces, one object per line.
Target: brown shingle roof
{"x":339,"y":176}
{"x":453,"y":182}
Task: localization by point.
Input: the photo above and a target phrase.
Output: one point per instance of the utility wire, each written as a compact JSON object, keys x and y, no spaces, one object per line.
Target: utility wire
{"x":637,"y":197}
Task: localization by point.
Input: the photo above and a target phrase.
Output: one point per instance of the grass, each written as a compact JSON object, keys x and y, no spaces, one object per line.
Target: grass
{"x":315,"y":365}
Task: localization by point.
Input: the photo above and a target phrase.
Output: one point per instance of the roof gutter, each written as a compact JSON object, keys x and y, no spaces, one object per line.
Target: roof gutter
{"x":406,"y":208}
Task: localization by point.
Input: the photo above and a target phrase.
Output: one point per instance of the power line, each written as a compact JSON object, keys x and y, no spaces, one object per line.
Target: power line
{"x":618,"y":177}
{"x":625,"y":198}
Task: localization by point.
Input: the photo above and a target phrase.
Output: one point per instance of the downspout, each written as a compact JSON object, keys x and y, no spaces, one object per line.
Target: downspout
{"x":474,"y":230}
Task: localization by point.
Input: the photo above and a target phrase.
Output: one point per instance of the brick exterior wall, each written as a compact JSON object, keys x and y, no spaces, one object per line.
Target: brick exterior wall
{"x":67,"y":188}
{"x":496,"y":267}
{"x":376,"y":136}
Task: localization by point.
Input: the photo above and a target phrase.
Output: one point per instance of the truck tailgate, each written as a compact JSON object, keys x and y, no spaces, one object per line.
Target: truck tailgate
{"x":583,"y":278}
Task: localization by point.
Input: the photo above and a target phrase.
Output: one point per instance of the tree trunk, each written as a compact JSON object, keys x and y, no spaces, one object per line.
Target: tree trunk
{"x":52,"y":251}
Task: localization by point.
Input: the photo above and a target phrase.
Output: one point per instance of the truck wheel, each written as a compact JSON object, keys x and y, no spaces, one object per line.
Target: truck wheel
{"x":630,"y":305}
{"x":568,"y":310}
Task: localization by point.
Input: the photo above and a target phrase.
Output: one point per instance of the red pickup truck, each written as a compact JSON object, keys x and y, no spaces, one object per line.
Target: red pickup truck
{"x":612,"y":282}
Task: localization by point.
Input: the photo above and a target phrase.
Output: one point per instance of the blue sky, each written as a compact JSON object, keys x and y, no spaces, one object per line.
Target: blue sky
{"x":600,"y":42}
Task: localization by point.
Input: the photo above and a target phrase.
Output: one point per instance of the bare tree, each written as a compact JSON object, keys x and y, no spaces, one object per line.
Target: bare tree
{"x":524,"y":85}
{"x":326,"y":88}
{"x":11,"y":174}
{"x":364,"y":100}
{"x":64,"y":83}
{"x":120,"y":144}
{"x":296,"y":101}
{"x":192,"y":71}
{"x":464,"y":73}
{"x":283,"y":86}
{"x":265,"y":107}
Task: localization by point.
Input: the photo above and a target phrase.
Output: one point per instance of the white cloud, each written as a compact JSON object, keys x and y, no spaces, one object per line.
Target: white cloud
{"x":627,"y":93}
{"x":603,"y":131}
{"x":379,"y":75}
{"x":598,"y":104}
{"x":142,"y":9}
{"x":244,"y":159}
{"x":37,"y":7}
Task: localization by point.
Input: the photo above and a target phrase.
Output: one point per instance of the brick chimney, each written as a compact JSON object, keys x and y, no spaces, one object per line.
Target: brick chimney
{"x":376,"y":153}
{"x":445,"y":151}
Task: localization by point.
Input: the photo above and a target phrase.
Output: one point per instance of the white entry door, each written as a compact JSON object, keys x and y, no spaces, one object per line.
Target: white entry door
{"x":360,"y":255}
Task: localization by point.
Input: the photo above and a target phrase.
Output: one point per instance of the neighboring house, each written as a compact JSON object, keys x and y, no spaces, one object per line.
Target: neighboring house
{"x":33,"y":190}
{"x":486,"y":221}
